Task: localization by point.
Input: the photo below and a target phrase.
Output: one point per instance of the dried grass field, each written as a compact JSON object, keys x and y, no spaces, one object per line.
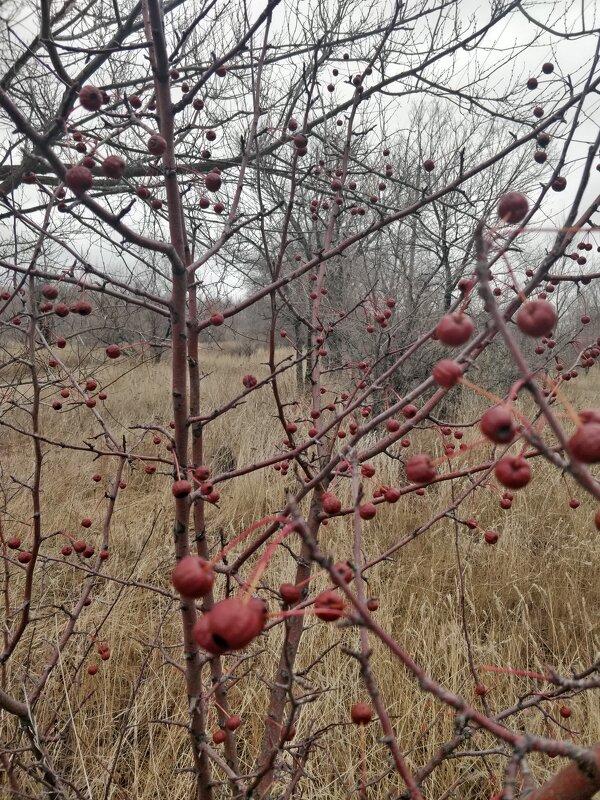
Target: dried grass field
{"x":531,"y":601}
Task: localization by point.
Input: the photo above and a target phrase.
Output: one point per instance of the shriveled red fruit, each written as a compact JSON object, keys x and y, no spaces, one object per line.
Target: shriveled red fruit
{"x":113,"y":167}
{"x":14,"y":543}
{"x":193,"y":577}
{"x":230,"y":625}
{"x":372,"y":604}
{"x":447,"y":373}
{"x":201,"y":473}
{"x":391,"y":494}
{"x":79,"y":179}
{"x":290,"y":593}
{"x":83,"y":308}
{"x":79,"y":546}
{"x":181,"y":488}
{"x":347,"y":573}
{"x":361,"y":713}
{"x":86,"y":522}
{"x":513,"y":472}
{"x":513,"y":207}
{"x":212,"y":181}
{"x":50,"y":292}
{"x":543,"y":139}
{"x":92,"y":669}
{"x":156,"y":145}
{"x":367,"y":511}
{"x":233,"y":723}
{"x":329,"y":606}
{"x":90,"y":98}
{"x":331,"y":503}
{"x":249,"y":381}
{"x":559,"y":184}
{"x":300,"y":141}
{"x":536,"y":318}
{"x":24,"y":557}
{"x":548,"y":68}
{"x":113,"y":351}
{"x":219,"y":736}
{"x":419,"y":469}
{"x":203,"y":636}
{"x":497,"y":424}
{"x":428,"y":165}
{"x":491,"y":537}
{"x":585,"y":443}
{"x":565,"y":711}
{"x":455,"y":329}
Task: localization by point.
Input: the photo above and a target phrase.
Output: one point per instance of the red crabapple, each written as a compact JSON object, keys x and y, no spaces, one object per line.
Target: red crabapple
{"x":331,"y":504}
{"x":367,"y":511}
{"x":79,"y":179}
{"x":455,"y":329}
{"x":290,"y":593}
{"x":513,"y":207}
{"x":419,"y":469}
{"x":181,"y":488}
{"x":113,"y":351}
{"x":90,"y":98}
{"x":497,"y":424}
{"x":513,"y":472}
{"x":585,"y":443}
{"x":447,"y":373}
{"x":329,"y":606}
{"x":536,"y":318}
{"x":361,"y":713}
{"x":193,"y":577}
{"x":156,"y":145}
{"x":113,"y":167}
{"x":212,"y":181}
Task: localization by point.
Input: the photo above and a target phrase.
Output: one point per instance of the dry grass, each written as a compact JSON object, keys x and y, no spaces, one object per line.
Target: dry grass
{"x":532,"y":601}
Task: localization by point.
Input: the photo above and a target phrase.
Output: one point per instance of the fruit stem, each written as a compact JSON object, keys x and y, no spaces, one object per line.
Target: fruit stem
{"x":264,"y":560}
{"x":521,"y":673}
